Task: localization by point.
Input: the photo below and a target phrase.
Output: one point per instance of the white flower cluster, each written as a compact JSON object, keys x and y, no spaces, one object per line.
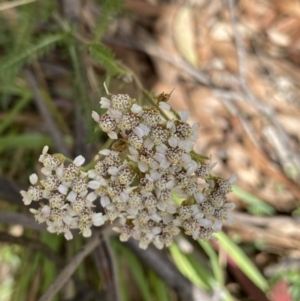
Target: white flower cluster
{"x":66,"y":187}
{"x":150,"y":163}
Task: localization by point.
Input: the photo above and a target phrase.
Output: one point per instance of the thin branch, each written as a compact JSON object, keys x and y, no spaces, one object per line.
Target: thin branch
{"x":50,"y":123}
{"x":70,"y":269}
{"x":25,"y":220}
{"x":12,"y":4}
{"x":262,"y":107}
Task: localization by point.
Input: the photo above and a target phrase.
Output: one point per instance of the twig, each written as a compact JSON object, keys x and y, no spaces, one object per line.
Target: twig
{"x":25,"y":220}
{"x":161,"y":265}
{"x":9,"y":191}
{"x":105,"y":262}
{"x":263,"y":221}
{"x":12,"y":4}
{"x":70,"y":268}
{"x":50,"y":123}
{"x":265,"y":109}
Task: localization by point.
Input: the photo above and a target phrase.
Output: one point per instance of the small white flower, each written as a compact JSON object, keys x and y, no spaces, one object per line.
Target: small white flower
{"x":94,"y":184}
{"x":141,"y":130}
{"x":191,"y":167}
{"x":136,"y":109}
{"x":33,"y":178}
{"x":87,"y":232}
{"x":105,"y":103}
{"x":229,"y":206}
{"x":112,"y":135}
{"x":98,"y":219}
{"x":163,"y":105}
{"x":232,"y":179}
{"x":217,"y":226}
{"x":148,"y":143}
{"x":72,"y":196}
{"x":105,"y":201}
{"x":91,"y":197}
{"x":62,"y":189}
{"x":95,"y":116}
{"x":184,"y":115}
{"x":206,"y":223}
{"x":105,"y":152}
{"x":79,"y":160}
{"x":68,"y":235}
{"x":44,"y":152}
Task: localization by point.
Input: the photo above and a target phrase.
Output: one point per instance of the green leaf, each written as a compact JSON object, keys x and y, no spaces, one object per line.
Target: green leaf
{"x":188,"y":269}
{"x":159,"y":287}
{"x":46,"y":43}
{"x":243,"y":261}
{"x":217,"y":270}
{"x":109,"y":9}
{"x":105,"y":57}
{"x":28,"y":141}
{"x":136,"y":270}
{"x":257,"y":206}
{"x":8,"y":119}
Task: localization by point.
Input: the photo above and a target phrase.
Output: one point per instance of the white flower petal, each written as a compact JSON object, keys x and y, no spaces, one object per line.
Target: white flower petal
{"x":117,"y":115}
{"x":232,"y":179}
{"x":79,"y":160}
{"x":195,"y":127}
{"x":33,"y":178}
{"x":98,"y":219}
{"x":87,"y":232}
{"x":158,"y":243}
{"x":68,"y":235}
{"x":112,"y":135}
{"x":206,"y":223}
{"x":91,"y":197}
{"x":184,"y":115}
{"x":212,"y":165}
{"x":67,"y":219}
{"x":217,"y":226}
{"x":104,"y":152}
{"x":46,"y":171}
{"x":92,"y":173}
{"x":143,"y":245}
{"x":59,"y":171}
{"x":45,"y":149}
{"x":199,"y":197}
{"x":72,"y":196}
{"x":113,"y":170}
{"x":105,"y":103}
{"x":142,"y":166}
{"x":136,"y":109}
{"x":95,"y":116}
{"x":192,"y":167}
{"x":162,"y":148}
{"x":165,"y":164}
{"x":173,"y":141}
{"x":62,"y":189}
{"x":46,"y":210}
{"x":164,"y":105}
{"x":186,"y":158}
{"x":148,"y":143}
{"x":105,"y":201}
{"x":229,"y":206}
{"x":94,"y":184}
